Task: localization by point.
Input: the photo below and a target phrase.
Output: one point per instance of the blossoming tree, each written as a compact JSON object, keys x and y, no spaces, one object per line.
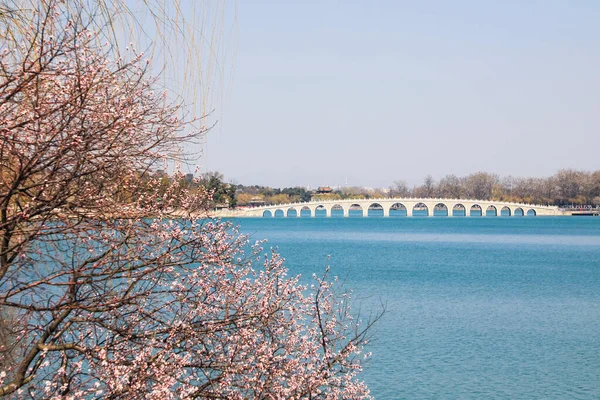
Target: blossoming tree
{"x":112,"y":288}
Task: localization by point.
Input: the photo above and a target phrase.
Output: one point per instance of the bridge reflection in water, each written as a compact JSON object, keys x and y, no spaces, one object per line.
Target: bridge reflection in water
{"x":396,"y":208}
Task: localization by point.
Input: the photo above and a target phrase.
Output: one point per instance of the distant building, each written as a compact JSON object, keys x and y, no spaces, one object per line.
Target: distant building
{"x":256,"y":202}
{"x":221,"y":206}
{"x":324,"y":190}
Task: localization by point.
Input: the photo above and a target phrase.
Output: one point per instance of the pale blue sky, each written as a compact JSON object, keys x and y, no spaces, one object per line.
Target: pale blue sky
{"x":369,"y":92}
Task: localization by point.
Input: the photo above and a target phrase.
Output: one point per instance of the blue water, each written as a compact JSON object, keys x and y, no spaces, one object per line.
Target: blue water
{"x":505,"y":308}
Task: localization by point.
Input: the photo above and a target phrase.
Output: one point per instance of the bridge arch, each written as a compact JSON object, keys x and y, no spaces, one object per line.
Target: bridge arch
{"x":459,"y":210}
{"x":321,"y":211}
{"x":337,"y":211}
{"x":491,"y":208}
{"x":305,"y":212}
{"x":267,"y":214}
{"x":518,"y":212}
{"x":375,"y":210}
{"x":440,"y":210}
{"x":356,"y":210}
{"x":476,"y":210}
{"x":420,"y":210}
{"x":278,"y":213}
{"x":531,"y":212}
{"x":505,"y":211}
{"x":292,"y":213}
{"x":398,"y":210}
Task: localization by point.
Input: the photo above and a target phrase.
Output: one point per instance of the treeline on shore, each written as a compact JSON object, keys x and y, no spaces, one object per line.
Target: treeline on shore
{"x":566,"y":187}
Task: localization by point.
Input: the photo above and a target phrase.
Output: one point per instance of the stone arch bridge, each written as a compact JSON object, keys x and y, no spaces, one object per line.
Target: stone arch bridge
{"x":394,"y":207}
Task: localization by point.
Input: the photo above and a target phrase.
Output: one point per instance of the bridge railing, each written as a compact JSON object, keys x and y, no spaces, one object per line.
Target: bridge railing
{"x":407,"y":199}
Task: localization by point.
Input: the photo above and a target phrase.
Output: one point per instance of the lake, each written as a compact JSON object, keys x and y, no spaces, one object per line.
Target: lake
{"x":477,"y":307}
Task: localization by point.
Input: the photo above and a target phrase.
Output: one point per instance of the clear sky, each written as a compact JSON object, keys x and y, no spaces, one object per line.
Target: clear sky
{"x":369,"y":92}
